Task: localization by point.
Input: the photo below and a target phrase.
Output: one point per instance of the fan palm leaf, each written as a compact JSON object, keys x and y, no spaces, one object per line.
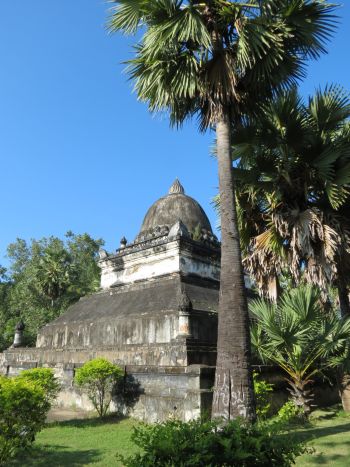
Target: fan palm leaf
{"x":298,"y":336}
{"x":302,"y":150}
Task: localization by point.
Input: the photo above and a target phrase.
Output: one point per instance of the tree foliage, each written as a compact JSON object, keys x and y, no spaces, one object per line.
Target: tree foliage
{"x":293,"y":180}
{"x":23,"y":410}
{"x":300,"y":337}
{"x":199,"y":58}
{"x":43,"y":378}
{"x":263,"y":391}
{"x":45,"y":276}
{"x":201,"y":443}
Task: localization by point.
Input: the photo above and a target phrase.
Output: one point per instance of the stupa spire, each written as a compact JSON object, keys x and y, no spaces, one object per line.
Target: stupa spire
{"x":176,"y":187}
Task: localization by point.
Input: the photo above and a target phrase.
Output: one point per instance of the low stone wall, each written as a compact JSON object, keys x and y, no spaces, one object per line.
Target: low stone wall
{"x":149,"y":393}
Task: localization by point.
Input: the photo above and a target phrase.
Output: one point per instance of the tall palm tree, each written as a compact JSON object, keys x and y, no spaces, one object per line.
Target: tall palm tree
{"x":213,"y":59}
{"x":297,"y":335}
{"x":293,"y":193}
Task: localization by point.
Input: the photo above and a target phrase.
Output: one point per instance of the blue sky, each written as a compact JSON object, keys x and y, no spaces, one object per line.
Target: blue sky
{"x":77,"y":151}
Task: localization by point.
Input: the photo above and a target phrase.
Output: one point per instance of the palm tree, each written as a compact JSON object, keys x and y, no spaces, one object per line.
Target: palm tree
{"x":213,"y":59}
{"x":54,"y":273}
{"x":297,"y":335}
{"x":293,"y":195}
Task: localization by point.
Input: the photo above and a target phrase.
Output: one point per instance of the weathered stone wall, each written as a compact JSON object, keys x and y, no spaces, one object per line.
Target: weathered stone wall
{"x":132,"y":330}
{"x":150,"y":393}
{"x":143,"y":322}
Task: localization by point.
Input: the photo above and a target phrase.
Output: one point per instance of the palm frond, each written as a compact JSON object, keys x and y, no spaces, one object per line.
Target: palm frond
{"x":300,"y":338}
{"x":126,"y":16}
{"x":329,"y":108}
{"x":220,"y":54}
{"x":311,"y":23}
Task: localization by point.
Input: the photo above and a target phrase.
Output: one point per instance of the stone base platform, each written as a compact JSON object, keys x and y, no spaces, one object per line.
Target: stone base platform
{"x":147,"y":392}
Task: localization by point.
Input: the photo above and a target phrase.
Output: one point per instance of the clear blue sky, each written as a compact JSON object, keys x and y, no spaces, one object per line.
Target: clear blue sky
{"x":77,"y":151}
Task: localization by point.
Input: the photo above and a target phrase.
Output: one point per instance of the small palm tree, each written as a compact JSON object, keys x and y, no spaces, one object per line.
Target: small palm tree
{"x":297,"y":335}
{"x":293,"y":195}
{"x":214,"y":59}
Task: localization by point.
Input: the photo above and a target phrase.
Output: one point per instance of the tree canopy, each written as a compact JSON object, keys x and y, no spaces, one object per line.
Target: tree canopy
{"x":211,"y":57}
{"x":293,"y":177}
{"x":45,"y":276}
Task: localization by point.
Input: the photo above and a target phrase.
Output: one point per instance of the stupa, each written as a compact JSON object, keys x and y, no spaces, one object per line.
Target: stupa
{"x":155,"y":315}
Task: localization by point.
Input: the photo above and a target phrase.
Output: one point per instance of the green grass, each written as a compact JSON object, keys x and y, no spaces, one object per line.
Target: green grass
{"x":94,"y":442}
{"x":329,"y":435}
{"x":80,"y":442}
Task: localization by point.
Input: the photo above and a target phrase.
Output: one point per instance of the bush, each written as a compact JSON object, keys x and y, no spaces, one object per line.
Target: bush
{"x":45,"y":379}
{"x":290,"y":413}
{"x":205,"y":444}
{"x":23,"y":410}
{"x":97,"y":378}
{"x":262,"y":390}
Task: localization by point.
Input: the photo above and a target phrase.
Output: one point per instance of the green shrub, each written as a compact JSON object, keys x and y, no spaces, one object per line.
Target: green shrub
{"x":290,"y":413}
{"x":98,"y":377}
{"x":262,"y":390}
{"x":45,"y":379}
{"x":205,"y":444}
{"x":23,"y":410}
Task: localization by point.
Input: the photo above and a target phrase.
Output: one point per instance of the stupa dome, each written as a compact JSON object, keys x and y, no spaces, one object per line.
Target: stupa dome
{"x":175,"y":206}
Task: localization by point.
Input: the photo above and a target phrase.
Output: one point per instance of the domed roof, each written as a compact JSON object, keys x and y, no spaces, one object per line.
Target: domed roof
{"x":173,"y":207}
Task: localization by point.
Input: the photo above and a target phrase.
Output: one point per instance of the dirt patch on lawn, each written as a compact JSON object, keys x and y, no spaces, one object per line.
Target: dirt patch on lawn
{"x":58,"y":414}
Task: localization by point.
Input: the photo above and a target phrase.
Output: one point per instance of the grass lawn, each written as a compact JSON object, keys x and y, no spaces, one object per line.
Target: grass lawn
{"x":80,"y":442}
{"x":329,"y":435}
{"x":94,"y":442}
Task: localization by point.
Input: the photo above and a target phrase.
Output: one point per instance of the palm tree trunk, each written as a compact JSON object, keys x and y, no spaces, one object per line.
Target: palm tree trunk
{"x":343,"y":382}
{"x":342,"y":286}
{"x":233,"y":391}
{"x":301,"y":395}
{"x":343,"y":295}
{"x":344,"y":306}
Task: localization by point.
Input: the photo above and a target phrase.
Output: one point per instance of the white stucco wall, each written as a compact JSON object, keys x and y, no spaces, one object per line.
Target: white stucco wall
{"x":155,"y":261}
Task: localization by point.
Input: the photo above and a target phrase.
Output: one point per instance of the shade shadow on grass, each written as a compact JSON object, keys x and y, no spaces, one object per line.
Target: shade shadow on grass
{"x":88,"y":422}
{"x":330,"y":441}
{"x":329,"y":413}
{"x":322,"y":459}
{"x":55,"y":456}
{"x":319,"y":432}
